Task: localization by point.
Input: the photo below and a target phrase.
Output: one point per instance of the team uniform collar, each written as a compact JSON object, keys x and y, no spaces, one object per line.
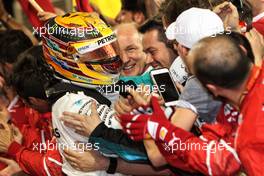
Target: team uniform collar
{"x":258,"y":17}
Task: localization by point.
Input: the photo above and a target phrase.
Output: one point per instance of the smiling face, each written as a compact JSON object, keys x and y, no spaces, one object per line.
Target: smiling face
{"x":158,"y":54}
{"x":131,"y":50}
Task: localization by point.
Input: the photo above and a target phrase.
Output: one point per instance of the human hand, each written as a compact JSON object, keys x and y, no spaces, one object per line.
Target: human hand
{"x":179,"y":87}
{"x":4,"y":114}
{"x":123,"y":106}
{"x":82,"y":124}
{"x":133,"y":101}
{"x":18,"y":137}
{"x":158,"y":2}
{"x":11,"y":169}
{"x":87,"y":161}
{"x":256,"y":41}
{"x":2,"y":82}
{"x":138,"y":126}
{"x":138,"y":102}
{"x":45,"y":16}
{"x":229,"y":15}
{"x":6,"y":136}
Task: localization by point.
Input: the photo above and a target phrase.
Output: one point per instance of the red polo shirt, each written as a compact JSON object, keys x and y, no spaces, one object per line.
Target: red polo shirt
{"x":249,"y":141}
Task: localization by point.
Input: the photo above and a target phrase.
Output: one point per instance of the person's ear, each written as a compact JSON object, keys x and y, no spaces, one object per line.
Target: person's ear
{"x":175,"y":47}
{"x":213,"y":89}
{"x":139,"y":17}
{"x":185,"y":50}
{"x":182,"y":50}
{"x":243,"y":49}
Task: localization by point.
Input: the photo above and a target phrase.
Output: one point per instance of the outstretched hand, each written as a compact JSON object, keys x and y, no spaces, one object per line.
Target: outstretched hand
{"x":229,"y":15}
{"x":135,"y":100}
{"x":87,"y":161}
{"x":257,"y":44}
{"x":140,"y":125}
{"x":11,"y":169}
{"x":82,"y":124}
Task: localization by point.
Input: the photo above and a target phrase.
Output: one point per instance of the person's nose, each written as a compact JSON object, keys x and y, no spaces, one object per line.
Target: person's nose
{"x":149,"y":59}
{"x":124,"y":57}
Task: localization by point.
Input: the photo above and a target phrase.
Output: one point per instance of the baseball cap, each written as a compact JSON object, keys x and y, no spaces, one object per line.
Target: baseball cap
{"x":194,"y":24}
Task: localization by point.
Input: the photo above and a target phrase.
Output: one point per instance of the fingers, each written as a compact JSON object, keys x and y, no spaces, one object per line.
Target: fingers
{"x":71,"y":122}
{"x":80,"y":132}
{"x":156,"y":106}
{"x":5,"y":160}
{"x":119,"y":110}
{"x":71,"y":156}
{"x":232,"y":7}
{"x":131,"y":118}
{"x":128,"y":126}
{"x":254,"y":34}
{"x":72,"y":119}
{"x":180,"y":87}
{"x":137,"y":98}
{"x":134,"y":132}
{"x":218,"y":9}
{"x":94,"y":109}
{"x":2,"y":82}
{"x":15,"y":130}
{"x":122,"y":106}
{"x":72,"y":115}
{"x":257,"y":44}
{"x":17,"y":134}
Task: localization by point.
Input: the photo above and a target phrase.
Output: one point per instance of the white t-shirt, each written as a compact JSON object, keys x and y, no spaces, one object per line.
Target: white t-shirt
{"x":66,"y":137}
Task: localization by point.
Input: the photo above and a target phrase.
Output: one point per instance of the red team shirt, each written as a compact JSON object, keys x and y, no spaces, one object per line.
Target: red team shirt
{"x":239,"y":135}
{"x":36,"y":130}
{"x":222,"y":161}
{"x":258,"y":23}
{"x":249,"y":141}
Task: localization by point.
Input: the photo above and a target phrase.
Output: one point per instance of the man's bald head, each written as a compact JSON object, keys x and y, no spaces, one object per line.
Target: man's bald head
{"x":127,"y":29}
{"x":220,"y":61}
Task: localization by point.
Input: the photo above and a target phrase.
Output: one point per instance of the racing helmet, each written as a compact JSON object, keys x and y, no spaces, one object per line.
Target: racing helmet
{"x":81,"y":49}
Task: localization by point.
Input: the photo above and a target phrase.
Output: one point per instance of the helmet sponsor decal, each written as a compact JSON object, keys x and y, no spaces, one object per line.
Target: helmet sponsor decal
{"x":102,"y":42}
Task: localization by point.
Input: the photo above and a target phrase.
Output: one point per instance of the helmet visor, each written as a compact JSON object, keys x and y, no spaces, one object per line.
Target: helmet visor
{"x":105,"y":56}
{"x":98,"y":55}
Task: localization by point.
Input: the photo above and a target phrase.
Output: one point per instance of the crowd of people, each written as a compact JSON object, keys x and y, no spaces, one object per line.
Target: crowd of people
{"x":77,"y":95}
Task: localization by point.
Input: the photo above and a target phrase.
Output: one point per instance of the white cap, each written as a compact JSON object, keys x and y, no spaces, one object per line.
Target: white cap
{"x":193,"y":25}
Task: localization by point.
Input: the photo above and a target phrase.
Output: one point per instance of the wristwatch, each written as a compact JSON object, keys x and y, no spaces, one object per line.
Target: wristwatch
{"x":112,"y":166}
